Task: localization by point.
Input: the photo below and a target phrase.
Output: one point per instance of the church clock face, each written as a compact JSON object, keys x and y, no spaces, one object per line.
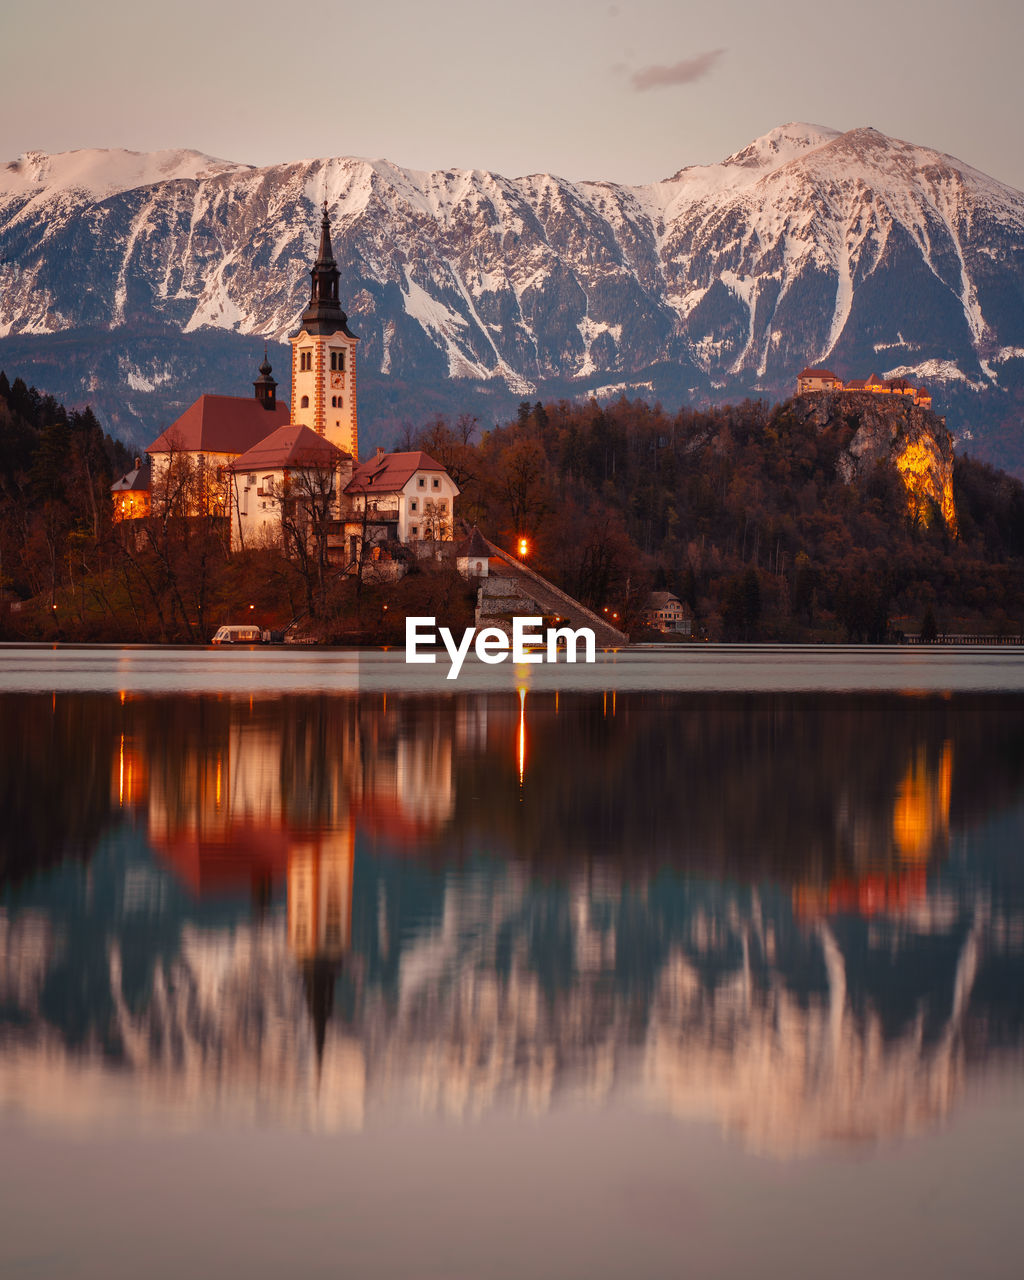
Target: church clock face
{"x":337,"y":379}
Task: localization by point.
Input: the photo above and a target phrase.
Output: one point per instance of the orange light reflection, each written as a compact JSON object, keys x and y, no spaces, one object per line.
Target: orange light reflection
{"x":522,"y":735}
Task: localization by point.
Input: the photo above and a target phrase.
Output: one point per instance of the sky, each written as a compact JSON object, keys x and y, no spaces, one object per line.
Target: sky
{"x":627,"y":91}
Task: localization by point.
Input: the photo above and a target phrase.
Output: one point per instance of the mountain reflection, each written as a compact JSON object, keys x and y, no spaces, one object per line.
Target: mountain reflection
{"x":799,"y":916}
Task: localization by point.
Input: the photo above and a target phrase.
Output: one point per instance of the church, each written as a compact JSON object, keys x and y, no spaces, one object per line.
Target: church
{"x":279,"y":474}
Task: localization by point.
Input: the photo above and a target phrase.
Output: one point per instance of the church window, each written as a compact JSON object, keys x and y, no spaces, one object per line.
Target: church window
{"x":338,"y":361}
{"x":304,"y":402}
{"x":305,"y":361}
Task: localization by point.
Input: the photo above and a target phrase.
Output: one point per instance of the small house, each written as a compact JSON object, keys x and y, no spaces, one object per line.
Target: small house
{"x":131,"y":492}
{"x":666,"y":612}
{"x":473,"y":556}
{"x":817,"y":380}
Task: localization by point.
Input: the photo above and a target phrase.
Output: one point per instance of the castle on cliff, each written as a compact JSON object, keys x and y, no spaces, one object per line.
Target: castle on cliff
{"x":809,"y":380}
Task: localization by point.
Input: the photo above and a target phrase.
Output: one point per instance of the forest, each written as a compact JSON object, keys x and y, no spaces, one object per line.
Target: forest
{"x":742,"y":511}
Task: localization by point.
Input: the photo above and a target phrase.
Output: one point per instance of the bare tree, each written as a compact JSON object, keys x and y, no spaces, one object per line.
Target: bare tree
{"x":436,"y":520}
{"x":308,"y":502}
{"x":175,"y":550}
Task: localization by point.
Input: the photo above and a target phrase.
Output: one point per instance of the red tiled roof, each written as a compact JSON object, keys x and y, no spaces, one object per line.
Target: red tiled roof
{"x":817,"y":373}
{"x":290,"y":446}
{"x":856,"y":384}
{"x":220,"y":424}
{"x":390,"y":472}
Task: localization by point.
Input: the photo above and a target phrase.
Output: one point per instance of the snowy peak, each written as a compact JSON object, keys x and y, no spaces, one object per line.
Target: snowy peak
{"x":101,"y":173}
{"x":809,"y":245}
{"x":890,"y":165}
{"x":781,"y":145}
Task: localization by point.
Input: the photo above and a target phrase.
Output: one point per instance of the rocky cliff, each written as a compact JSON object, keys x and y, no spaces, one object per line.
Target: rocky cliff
{"x":892,"y":429}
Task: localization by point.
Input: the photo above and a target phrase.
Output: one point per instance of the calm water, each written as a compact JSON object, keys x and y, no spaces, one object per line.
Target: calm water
{"x":705,"y":963}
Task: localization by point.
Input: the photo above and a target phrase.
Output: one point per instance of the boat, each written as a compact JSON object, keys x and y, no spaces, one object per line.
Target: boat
{"x":239,"y":633}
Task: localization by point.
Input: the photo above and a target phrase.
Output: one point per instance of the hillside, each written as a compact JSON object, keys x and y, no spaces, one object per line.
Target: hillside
{"x":842,"y":516}
{"x":826,"y":517}
{"x":136,"y":282}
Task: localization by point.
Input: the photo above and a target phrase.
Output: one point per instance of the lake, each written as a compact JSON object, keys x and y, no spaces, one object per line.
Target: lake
{"x":703,"y":962}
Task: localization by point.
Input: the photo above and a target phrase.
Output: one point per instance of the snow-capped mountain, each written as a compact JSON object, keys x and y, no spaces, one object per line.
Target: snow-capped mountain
{"x":137,"y":281}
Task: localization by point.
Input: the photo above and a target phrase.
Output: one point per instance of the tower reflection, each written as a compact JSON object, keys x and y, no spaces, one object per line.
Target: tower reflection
{"x":732,"y":907}
{"x":320,"y":919}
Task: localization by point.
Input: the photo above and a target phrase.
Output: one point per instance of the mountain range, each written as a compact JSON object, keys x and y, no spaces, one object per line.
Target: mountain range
{"x":135,"y":282}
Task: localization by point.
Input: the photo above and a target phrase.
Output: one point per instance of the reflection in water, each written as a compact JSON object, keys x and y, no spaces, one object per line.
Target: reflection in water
{"x":921,"y":813}
{"x":794,"y":915}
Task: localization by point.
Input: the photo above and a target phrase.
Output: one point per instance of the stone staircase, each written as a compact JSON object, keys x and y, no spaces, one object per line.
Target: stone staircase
{"x":512,"y":589}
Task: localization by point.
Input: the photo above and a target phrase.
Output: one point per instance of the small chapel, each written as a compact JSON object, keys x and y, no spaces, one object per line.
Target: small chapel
{"x":274,"y":471}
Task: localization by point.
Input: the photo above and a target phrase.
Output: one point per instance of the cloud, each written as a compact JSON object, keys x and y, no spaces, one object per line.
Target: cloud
{"x":684,"y":72}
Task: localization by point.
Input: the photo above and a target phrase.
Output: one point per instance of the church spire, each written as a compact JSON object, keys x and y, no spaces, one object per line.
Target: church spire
{"x":324,"y":354}
{"x":325,"y":258}
{"x":324,"y":314}
{"x":265,"y":386}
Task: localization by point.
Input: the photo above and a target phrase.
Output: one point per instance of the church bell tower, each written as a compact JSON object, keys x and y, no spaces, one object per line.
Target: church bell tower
{"x":324,"y":356}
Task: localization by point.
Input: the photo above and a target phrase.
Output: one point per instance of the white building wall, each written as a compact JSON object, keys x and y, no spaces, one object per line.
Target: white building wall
{"x":422,"y":488}
{"x":256,"y":519}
